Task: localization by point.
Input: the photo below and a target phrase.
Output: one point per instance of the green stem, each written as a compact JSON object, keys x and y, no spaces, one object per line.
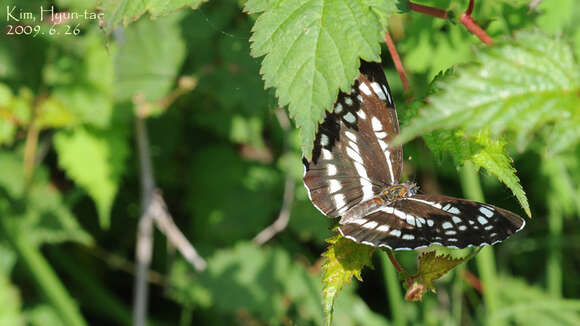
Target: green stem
{"x":94,"y":295}
{"x":554,"y":263}
{"x":485,"y":259}
{"x":394,"y":291}
{"x":48,"y":281}
{"x":457,"y":295}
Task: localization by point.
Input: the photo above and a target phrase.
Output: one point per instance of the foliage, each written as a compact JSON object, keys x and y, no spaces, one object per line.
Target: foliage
{"x":208,"y":78}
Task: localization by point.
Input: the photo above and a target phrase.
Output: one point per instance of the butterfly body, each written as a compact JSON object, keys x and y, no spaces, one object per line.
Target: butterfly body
{"x":386,"y":198}
{"x":355,"y":174}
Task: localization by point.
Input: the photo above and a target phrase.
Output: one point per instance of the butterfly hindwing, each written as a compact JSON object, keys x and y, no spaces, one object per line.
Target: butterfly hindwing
{"x":422,"y":220}
{"x":352,"y":161}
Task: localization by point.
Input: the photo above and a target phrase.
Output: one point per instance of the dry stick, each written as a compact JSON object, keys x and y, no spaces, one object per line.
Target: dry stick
{"x":167,"y":226}
{"x":397,"y":60}
{"x":288,"y":198}
{"x":144,"y":246}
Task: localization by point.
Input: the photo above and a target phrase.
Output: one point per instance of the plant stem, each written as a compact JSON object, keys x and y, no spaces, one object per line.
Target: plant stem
{"x":554,"y":263}
{"x":430,"y":11}
{"x":393,"y":288}
{"x":47,"y":280}
{"x":485,"y":259}
{"x":397,"y":60}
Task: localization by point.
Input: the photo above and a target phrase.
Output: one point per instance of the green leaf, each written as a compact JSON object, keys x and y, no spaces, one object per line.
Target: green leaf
{"x":264,"y":282}
{"x":342,"y":260}
{"x":38,"y":214}
{"x":127,"y":11}
{"x":137,"y":61}
{"x":524,"y":304}
{"x":433,"y":266}
{"x":95,"y":160}
{"x":309,"y":57}
{"x":10,"y":303}
{"x":478,"y":148}
{"x":81,"y":80}
{"x":528,"y":84}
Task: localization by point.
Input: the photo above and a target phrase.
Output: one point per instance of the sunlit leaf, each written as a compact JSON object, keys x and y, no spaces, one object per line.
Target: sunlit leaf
{"x":519,"y":86}
{"x":95,"y":160}
{"x":308,"y":57}
{"x":138,"y":68}
{"x":343,"y":259}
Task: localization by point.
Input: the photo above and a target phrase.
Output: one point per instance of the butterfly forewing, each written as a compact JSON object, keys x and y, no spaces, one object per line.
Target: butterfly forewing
{"x":352,"y":160}
{"x":421,"y":220}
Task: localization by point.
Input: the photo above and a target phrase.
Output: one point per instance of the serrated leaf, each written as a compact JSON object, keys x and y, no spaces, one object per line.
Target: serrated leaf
{"x":518,"y":86}
{"x":137,"y":68}
{"x":342,"y":260}
{"x":127,"y":11}
{"x":432,"y":266}
{"x":95,"y":160}
{"x":478,"y":148}
{"x":309,"y":56}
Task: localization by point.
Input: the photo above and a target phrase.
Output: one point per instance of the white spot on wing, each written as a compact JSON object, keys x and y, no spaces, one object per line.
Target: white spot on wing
{"x":430,"y":203}
{"x":367,"y":186}
{"x":377,"y":125}
{"x":450,"y":232}
{"x":364,"y":88}
{"x":370,"y":225}
{"x":331,"y":169}
{"x":334,"y":185}
{"x":454,"y":210}
{"x":482,"y":220}
{"x":338,"y":108}
{"x":388,"y":94}
{"x":462,"y":228}
{"x":381,"y":134}
{"x":350,"y":136}
{"x":354,"y":155}
{"x":361,"y":114}
{"x":383,"y":228}
{"x":411,"y":220}
{"x":358,"y":221}
{"x":396,"y":233}
{"x":359,"y":98}
{"x":323,"y":140}
{"x":326,"y":154}
{"x":456,"y":219}
{"x":447,"y":225}
{"x":349,"y":118}
{"x":430,"y":222}
{"x":377,"y":88}
{"x":339,"y":200}
{"x":408,"y":237}
{"x":485,"y":211}
{"x":348,"y":101}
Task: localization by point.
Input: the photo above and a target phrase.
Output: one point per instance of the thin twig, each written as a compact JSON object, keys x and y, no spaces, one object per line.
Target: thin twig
{"x":144,"y":246}
{"x":430,"y":11}
{"x":397,"y":60}
{"x":284,"y":216}
{"x":288,"y":198}
{"x":465,"y":20}
{"x":394,"y":261}
{"x":165,"y":223}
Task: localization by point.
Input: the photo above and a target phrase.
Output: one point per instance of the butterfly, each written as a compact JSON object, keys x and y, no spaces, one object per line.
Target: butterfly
{"x":355,"y":174}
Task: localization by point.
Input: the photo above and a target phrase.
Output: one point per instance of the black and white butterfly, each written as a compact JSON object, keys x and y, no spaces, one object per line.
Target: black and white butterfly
{"x":355,"y":174}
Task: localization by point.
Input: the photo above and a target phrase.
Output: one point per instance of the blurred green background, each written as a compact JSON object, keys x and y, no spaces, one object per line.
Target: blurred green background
{"x":70,"y":180}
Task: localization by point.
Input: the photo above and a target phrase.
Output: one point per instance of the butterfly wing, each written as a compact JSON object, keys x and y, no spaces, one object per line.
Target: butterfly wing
{"x":422,"y":220}
{"x":352,"y":160}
